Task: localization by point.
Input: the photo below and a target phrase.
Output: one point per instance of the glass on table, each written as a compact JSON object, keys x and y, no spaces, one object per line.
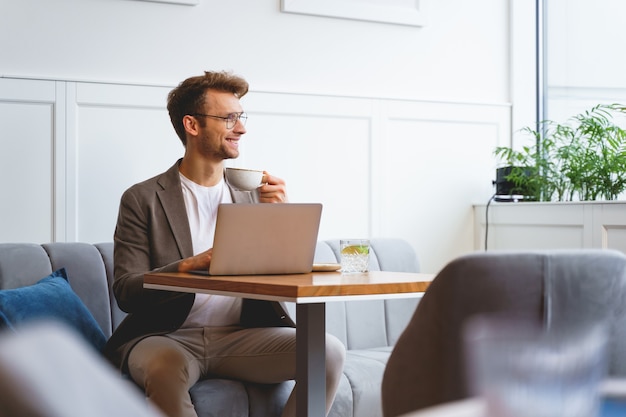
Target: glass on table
{"x":355,"y":255}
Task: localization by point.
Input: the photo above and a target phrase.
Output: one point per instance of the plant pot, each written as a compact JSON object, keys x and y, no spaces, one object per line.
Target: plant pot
{"x":507,"y":191}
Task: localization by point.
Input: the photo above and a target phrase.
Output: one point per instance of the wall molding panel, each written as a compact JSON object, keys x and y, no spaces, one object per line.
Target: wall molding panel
{"x":381,"y":167}
{"x":31,"y":156}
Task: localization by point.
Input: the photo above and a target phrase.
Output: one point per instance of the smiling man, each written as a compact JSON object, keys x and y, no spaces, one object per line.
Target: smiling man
{"x":170,"y":340}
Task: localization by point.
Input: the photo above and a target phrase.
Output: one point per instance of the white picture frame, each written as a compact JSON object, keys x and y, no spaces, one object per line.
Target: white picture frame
{"x":400,"y":12}
{"x":183,"y":2}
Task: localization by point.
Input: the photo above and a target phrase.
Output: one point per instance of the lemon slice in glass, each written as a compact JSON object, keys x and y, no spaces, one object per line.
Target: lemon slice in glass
{"x":355,"y":250}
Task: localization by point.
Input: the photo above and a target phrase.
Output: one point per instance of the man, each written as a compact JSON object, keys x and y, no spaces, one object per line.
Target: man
{"x":170,"y":340}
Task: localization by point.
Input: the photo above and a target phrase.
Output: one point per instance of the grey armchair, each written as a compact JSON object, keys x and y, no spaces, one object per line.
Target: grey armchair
{"x":555,"y":288}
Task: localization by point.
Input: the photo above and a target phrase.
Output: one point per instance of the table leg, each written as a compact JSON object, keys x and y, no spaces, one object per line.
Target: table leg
{"x":311,"y":360}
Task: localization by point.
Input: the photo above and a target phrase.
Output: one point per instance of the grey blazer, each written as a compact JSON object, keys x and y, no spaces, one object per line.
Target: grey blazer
{"x":152,"y":234}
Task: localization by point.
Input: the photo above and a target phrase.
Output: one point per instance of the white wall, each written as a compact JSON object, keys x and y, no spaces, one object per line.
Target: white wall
{"x":461,"y":53}
{"x":413,"y":112}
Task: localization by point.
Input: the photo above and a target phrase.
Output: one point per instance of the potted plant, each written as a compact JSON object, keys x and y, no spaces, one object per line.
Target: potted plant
{"x":584,"y":159}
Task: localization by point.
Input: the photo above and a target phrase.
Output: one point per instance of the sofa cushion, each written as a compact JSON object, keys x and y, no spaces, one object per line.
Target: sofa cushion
{"x":364,"y":370}
{"x":87,"y":275}
{"x":50,"y":298}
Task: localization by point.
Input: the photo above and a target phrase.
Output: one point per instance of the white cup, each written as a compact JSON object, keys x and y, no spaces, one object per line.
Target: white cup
{"x":244,"y":179}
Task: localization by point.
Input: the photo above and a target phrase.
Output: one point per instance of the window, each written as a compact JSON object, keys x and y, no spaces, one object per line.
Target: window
{"x":583,"y":57}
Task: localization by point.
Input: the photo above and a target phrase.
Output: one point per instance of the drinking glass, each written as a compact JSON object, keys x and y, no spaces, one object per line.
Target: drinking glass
{"x":522,"y":370}
{"x":355,"y":255}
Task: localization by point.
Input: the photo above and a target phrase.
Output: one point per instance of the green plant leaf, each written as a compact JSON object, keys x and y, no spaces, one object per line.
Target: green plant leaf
{"x":583,"y":158}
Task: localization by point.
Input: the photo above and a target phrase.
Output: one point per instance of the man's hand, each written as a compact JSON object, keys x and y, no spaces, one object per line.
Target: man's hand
{"x":199,"y":262}
{"x":273,"y":190}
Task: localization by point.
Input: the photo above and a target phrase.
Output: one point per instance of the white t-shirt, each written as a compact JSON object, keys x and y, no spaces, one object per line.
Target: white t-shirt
{"x":201,"y":203}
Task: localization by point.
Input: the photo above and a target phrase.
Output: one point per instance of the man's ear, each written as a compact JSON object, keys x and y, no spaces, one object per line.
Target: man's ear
{"x":191,"y":125}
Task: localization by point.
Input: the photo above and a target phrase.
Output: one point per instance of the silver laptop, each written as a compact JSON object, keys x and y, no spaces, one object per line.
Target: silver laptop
{"x":260,"y":239}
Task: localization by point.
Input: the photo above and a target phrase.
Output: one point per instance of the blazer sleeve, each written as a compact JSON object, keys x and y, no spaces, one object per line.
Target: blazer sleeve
{"x":141,"y":244}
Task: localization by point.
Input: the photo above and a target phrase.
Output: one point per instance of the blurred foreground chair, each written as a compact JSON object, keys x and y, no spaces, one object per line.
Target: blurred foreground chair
{"x":555,"y":288}
{"x":46,"y":370}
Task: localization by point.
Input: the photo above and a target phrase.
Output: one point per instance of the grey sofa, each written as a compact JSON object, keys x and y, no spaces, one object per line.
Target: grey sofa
{"x":369,"y":329}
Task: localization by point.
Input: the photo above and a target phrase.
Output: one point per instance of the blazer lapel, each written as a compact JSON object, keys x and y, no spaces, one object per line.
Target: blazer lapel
{"x":171,"y":198}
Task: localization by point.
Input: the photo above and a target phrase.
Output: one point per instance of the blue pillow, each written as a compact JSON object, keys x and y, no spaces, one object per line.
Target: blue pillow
{"x":50,"y":298}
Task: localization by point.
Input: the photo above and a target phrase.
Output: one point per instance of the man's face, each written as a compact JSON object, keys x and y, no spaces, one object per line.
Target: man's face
{"x":215,"y":140}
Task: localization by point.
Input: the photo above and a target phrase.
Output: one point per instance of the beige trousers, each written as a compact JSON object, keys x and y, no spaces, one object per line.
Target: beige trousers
{"x":168,"y":366}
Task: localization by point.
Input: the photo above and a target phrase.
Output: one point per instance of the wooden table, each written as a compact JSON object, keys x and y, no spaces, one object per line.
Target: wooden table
{"x":310,"y":292}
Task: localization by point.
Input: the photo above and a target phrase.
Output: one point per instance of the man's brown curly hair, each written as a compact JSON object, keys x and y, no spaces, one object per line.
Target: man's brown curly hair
{"x":189,"y":96}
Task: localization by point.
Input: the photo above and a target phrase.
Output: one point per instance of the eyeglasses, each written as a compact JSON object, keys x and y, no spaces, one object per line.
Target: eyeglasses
{"x":230,"y":118}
